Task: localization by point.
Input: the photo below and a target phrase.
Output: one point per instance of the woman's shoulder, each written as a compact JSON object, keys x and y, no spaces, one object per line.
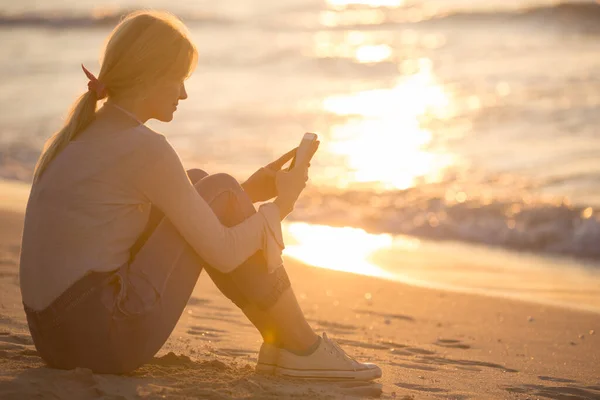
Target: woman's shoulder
{"x":150,"y":141}
{"x":154,"y":159}
{"x":98,"y":135}
{"x":152,"y":147}
{"x":149,"y":134}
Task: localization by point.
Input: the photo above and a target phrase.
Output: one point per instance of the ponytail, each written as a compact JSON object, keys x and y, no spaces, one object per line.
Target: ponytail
{"x":82,"y":113}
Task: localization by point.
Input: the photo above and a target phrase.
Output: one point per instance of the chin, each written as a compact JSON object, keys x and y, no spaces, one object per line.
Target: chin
{"x":167,"y":117}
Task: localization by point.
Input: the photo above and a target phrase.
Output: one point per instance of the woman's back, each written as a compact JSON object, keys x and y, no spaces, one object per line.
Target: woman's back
{"x":84,"y":214}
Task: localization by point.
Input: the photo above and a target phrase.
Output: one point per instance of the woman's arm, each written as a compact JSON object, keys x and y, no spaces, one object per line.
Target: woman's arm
{"x":167,"y":185}
{"x":248,"y":189}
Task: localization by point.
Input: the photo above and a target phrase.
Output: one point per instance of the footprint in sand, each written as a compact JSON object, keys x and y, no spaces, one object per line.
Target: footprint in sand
{"x":421,"y":388}
{"x":361,"y":344}
{"x":207,"y":333}
{"x":558,"y":380}
{"x":10,"y":346}
{"x":393,"y":345}
{"x":8,"y":275}
{"x":8,"y":324}
{"x":556,"y":392}
{"x":16,"y":346}
{"x":224,"y":318}
{"x":410,"y":351}
{"x":413,"y":366}
{"x":8,"y":267}
{"x":387,"y":316}
{"x":234,"y":352}
{"x":416,"y":350}
{"x":400,"y":352}
{"x":334,"y":327}
{"x":451,"y":344}
{"x":7,"y":260}
{"x":394,"y":348}
{"x":205,"y":303}
{"x":29,"y":352}
{"x":15,"y":338}
{"x":197,"y":301}
{"x":465,"y":364}
{"x":208,"y":329}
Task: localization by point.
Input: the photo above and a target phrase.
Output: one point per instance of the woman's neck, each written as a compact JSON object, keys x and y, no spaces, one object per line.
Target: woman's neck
{"x":129,"y":108}
{"x":128,"y":113}
{"x":112,"y":117}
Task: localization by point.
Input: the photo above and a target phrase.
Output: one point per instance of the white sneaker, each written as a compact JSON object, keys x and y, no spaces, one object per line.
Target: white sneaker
{"x":267,"y":359}
{"x":329,"y":361}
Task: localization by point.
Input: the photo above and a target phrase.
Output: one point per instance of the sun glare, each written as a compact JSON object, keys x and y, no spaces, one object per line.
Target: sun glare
{"x":343,"y":249}
{"x":373,"y":54}
{"x":383,"y":141}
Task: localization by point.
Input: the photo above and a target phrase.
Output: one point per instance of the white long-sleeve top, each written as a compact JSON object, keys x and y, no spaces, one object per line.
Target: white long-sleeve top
{"x":93,"y":201}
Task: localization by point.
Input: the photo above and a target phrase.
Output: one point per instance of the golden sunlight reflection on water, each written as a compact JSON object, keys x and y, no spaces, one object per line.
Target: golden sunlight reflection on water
{"x":356,"y":45}
{"x":343,"y":249}
{"x":373,"y":54}
{"x":382,"y":141}
{"x":445,"y":265}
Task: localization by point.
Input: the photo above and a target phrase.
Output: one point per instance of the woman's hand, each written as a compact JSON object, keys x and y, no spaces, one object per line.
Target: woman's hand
{"x":289,"y":186}
{"x":262,"y":186}
{"x":290,"y":183}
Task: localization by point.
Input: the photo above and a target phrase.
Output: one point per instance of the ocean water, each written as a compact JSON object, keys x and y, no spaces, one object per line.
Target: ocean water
{"x":463,"y":121}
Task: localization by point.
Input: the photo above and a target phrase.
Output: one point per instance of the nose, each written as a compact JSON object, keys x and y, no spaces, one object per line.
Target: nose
{"x":182,"y":92}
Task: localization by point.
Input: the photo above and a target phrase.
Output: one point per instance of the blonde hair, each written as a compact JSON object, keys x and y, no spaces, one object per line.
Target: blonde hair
{"x":145,"y":47}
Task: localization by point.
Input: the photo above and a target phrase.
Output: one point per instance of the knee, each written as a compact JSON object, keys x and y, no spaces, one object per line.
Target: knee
{"x":226,"y":181}
{"x":195,"y":174}
{"x":226,"y":197}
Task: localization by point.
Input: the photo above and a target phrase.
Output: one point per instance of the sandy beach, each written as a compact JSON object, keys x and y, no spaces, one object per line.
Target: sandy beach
{"x":429,"y":343}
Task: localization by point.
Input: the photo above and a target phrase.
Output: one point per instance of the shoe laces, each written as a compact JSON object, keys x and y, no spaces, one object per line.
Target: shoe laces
{"x":336,"y":350}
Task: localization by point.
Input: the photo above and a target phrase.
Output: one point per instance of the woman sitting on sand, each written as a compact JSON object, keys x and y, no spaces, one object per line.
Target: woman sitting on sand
{"x":117,"y":231}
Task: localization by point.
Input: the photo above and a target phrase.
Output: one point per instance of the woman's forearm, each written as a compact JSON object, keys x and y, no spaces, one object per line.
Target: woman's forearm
{"x":248,"y":189}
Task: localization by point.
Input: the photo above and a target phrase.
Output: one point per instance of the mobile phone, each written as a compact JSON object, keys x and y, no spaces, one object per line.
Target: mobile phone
{"x":303,"y":152}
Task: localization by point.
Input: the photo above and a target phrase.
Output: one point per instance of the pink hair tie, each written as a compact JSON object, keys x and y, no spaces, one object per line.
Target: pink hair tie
{"x":94,"y":84}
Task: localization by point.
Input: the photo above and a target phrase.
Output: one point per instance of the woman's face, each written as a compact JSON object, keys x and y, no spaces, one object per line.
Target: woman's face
{"x":162,"y":99}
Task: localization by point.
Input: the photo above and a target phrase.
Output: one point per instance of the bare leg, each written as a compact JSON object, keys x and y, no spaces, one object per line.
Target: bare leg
{"x":283,"y":324}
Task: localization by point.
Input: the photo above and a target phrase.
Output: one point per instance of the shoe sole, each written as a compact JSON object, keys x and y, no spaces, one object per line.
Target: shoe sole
{"x":267,"y":369}
{"x":363,"y":375}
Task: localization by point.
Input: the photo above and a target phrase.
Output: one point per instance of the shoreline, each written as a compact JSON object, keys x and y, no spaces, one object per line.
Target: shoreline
{"x":481,"y":292}
{"x":554,"y":270}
